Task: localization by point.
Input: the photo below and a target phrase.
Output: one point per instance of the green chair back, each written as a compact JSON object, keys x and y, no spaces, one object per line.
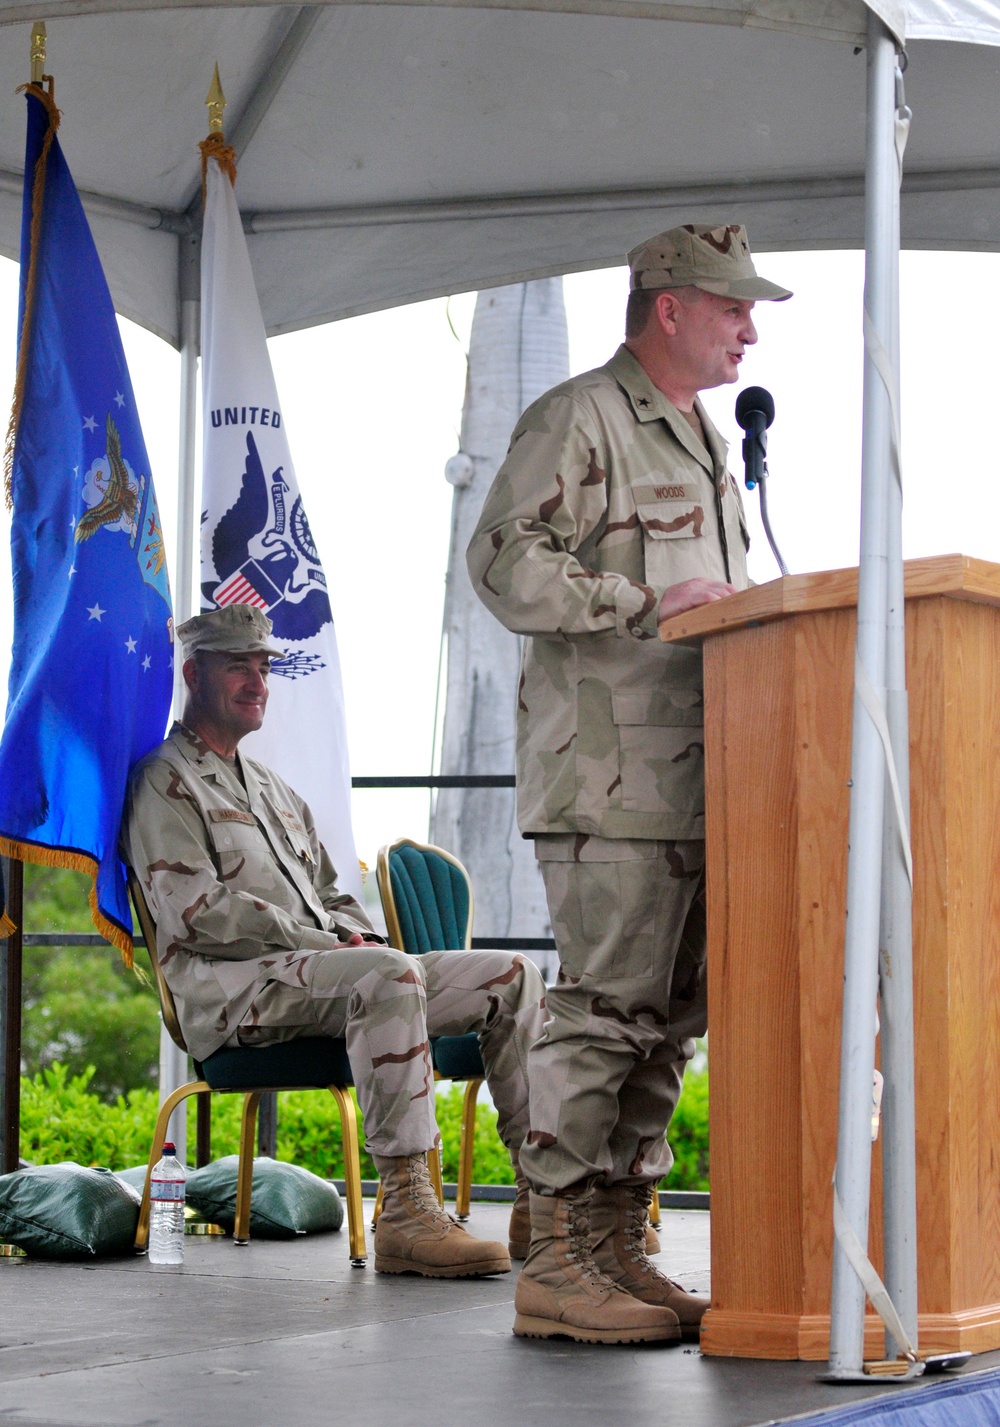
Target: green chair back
{"x":433,"y":899}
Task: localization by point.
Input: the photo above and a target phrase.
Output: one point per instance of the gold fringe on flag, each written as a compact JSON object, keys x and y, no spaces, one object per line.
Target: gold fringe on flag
{"x":215,"y":147}
{"x":24,"y":345}
{"x":77,"y":862}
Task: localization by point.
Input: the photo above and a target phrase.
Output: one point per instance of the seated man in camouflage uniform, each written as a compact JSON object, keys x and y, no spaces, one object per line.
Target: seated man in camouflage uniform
{"x":258,"y":946}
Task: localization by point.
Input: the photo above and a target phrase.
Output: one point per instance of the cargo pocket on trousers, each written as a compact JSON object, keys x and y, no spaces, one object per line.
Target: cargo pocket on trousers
{"x":617,"y":908}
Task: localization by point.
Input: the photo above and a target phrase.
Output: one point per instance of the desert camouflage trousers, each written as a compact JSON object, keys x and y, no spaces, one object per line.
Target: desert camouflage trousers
{"x":605,"y":1077}
{"x":386,"y":1005}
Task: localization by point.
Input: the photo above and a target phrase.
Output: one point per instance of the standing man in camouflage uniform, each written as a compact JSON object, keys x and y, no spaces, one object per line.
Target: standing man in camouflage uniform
{"x":613,"y":511}
{"x":258,"y":946}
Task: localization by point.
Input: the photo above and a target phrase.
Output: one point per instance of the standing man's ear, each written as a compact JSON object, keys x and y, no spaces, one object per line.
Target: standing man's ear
{"x":190,"y":672}
{"x":666,"y":309}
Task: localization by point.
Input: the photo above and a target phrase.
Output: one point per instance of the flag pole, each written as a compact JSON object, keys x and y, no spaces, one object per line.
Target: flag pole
{"x":173,"y":1061}
{"x":12,"y":908}
{"x":10,"y":1017}
{"x":38,"y":39}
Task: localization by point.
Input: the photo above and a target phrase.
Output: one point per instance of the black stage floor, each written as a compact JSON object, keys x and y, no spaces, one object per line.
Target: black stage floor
{"x":289,"y":1335}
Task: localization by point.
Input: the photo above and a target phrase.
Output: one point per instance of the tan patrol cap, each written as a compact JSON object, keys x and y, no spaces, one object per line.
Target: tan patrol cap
{"x":236,"y":629}
{"x":715,"y":259}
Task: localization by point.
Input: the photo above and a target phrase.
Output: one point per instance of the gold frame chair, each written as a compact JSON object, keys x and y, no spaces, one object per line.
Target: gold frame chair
{"x":244,"y":1181}
{"x":463,"y":1189}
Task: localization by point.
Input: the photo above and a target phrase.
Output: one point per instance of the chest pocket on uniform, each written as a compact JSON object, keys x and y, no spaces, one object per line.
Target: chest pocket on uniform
{"x":295,"y":834}
{"x":671,"y":519}
{"x":230,"y":829}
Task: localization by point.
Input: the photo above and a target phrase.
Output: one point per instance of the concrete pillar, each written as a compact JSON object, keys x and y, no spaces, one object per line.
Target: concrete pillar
{"x":517,"y":351}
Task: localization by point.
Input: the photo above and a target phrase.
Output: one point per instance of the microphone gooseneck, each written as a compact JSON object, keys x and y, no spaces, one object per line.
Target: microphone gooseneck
{"x":755,"y":412}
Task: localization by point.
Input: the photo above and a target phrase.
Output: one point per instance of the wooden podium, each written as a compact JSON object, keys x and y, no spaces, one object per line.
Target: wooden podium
{"x":778,"y":691}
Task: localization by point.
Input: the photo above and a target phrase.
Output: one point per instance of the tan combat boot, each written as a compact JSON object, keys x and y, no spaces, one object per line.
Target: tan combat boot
{"x":619,"y":1224}
{"x":562,"y":1293}
{"x":519,"y":1232}
{"x":415,"y":1235}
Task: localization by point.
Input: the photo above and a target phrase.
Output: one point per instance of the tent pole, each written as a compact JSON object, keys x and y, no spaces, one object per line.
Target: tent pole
{"x":899,"y":1170}
{"x":864,"y":864}
{"x":173,"y":1061}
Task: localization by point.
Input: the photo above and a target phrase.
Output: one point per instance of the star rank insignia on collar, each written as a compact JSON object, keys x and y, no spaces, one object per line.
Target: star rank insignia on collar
{"x":642,"y":401}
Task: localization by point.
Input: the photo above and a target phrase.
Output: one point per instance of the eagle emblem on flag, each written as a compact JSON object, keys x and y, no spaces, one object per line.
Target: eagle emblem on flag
{"x":264,"y":555}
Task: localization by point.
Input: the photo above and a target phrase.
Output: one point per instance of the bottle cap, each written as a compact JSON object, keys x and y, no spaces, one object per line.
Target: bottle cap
{"x":169,"y":1147}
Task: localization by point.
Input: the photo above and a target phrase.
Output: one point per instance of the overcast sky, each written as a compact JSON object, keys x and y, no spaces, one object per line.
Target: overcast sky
{"x":372,"y":406}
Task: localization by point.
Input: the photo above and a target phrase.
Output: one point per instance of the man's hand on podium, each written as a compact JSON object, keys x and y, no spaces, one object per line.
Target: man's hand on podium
{"x":689,"y":594}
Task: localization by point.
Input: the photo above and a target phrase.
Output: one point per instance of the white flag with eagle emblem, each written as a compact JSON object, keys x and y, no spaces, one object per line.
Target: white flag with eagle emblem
{"x":256,"y":545}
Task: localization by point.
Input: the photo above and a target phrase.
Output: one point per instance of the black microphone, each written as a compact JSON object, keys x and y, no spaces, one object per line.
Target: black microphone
{"x":754,"y":412}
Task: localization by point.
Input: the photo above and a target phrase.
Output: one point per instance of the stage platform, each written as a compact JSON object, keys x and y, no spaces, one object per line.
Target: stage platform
{"x":289,"y":1335}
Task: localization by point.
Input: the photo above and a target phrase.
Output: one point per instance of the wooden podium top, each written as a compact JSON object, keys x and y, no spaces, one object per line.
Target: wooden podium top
{"x":959,"y":576}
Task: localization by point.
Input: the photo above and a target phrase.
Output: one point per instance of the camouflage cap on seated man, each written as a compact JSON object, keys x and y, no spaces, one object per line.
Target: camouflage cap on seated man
{"x":715,"y":259}
{"x":236,"y":629}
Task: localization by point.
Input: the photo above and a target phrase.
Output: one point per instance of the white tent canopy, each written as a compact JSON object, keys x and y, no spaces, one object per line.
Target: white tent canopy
{"x":392,"y":152}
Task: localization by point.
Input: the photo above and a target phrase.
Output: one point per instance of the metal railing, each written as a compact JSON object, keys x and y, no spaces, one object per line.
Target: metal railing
{"x":418,"y":780}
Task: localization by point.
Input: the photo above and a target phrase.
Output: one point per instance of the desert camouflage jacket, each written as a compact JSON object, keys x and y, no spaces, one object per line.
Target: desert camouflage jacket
{"x":234,"y":875}
{"x":606,"y":498}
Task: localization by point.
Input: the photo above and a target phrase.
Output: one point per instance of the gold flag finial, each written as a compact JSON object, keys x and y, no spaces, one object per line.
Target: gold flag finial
{"x":38,"y":52}
{"x":216,"y":101}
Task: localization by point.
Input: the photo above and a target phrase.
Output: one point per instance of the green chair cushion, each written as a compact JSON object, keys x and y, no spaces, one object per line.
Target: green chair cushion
{"x":458,"y":1057}
{"x":68,"y":1211}
{"x":432,"y":900}
{"x":286,"y":1200}
{"x":310,"y":1063}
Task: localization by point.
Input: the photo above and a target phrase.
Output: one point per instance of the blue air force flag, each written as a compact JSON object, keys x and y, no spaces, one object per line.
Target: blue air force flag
{"x":256,"y":544}
{"x":91,"y":667}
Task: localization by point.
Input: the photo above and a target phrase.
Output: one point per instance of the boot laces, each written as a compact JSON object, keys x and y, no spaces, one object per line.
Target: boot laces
{"x":421,"y":1191}
{"x":579,"y":1251}
{"x":635,"y":1236}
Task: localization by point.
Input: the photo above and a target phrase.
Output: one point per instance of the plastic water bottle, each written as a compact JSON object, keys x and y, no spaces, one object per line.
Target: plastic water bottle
{"x":166,"y":1209}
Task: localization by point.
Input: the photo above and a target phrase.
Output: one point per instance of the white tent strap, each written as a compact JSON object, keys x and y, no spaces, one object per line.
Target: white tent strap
{"x":880,"y":360}
{"x":870,"y":1281}
{"x":873,"y":342}
{"x":873,"y":707}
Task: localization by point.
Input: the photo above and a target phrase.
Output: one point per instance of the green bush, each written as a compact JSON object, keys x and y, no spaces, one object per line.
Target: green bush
{"x":82,"y":1007}
{"x":62,"y":1119}
{"x":688,"y":1135}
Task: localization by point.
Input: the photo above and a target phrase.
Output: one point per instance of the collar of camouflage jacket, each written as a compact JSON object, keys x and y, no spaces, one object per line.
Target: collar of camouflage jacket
{"x":650,"y":404}
{"x":207,"y":763}
{"x":255,"y":793}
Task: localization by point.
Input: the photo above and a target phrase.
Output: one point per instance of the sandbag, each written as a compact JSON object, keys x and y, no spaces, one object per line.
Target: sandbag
{"x":68,"y":1211}
{"x":135,"y":1177}
{"x":286,"y":1200}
